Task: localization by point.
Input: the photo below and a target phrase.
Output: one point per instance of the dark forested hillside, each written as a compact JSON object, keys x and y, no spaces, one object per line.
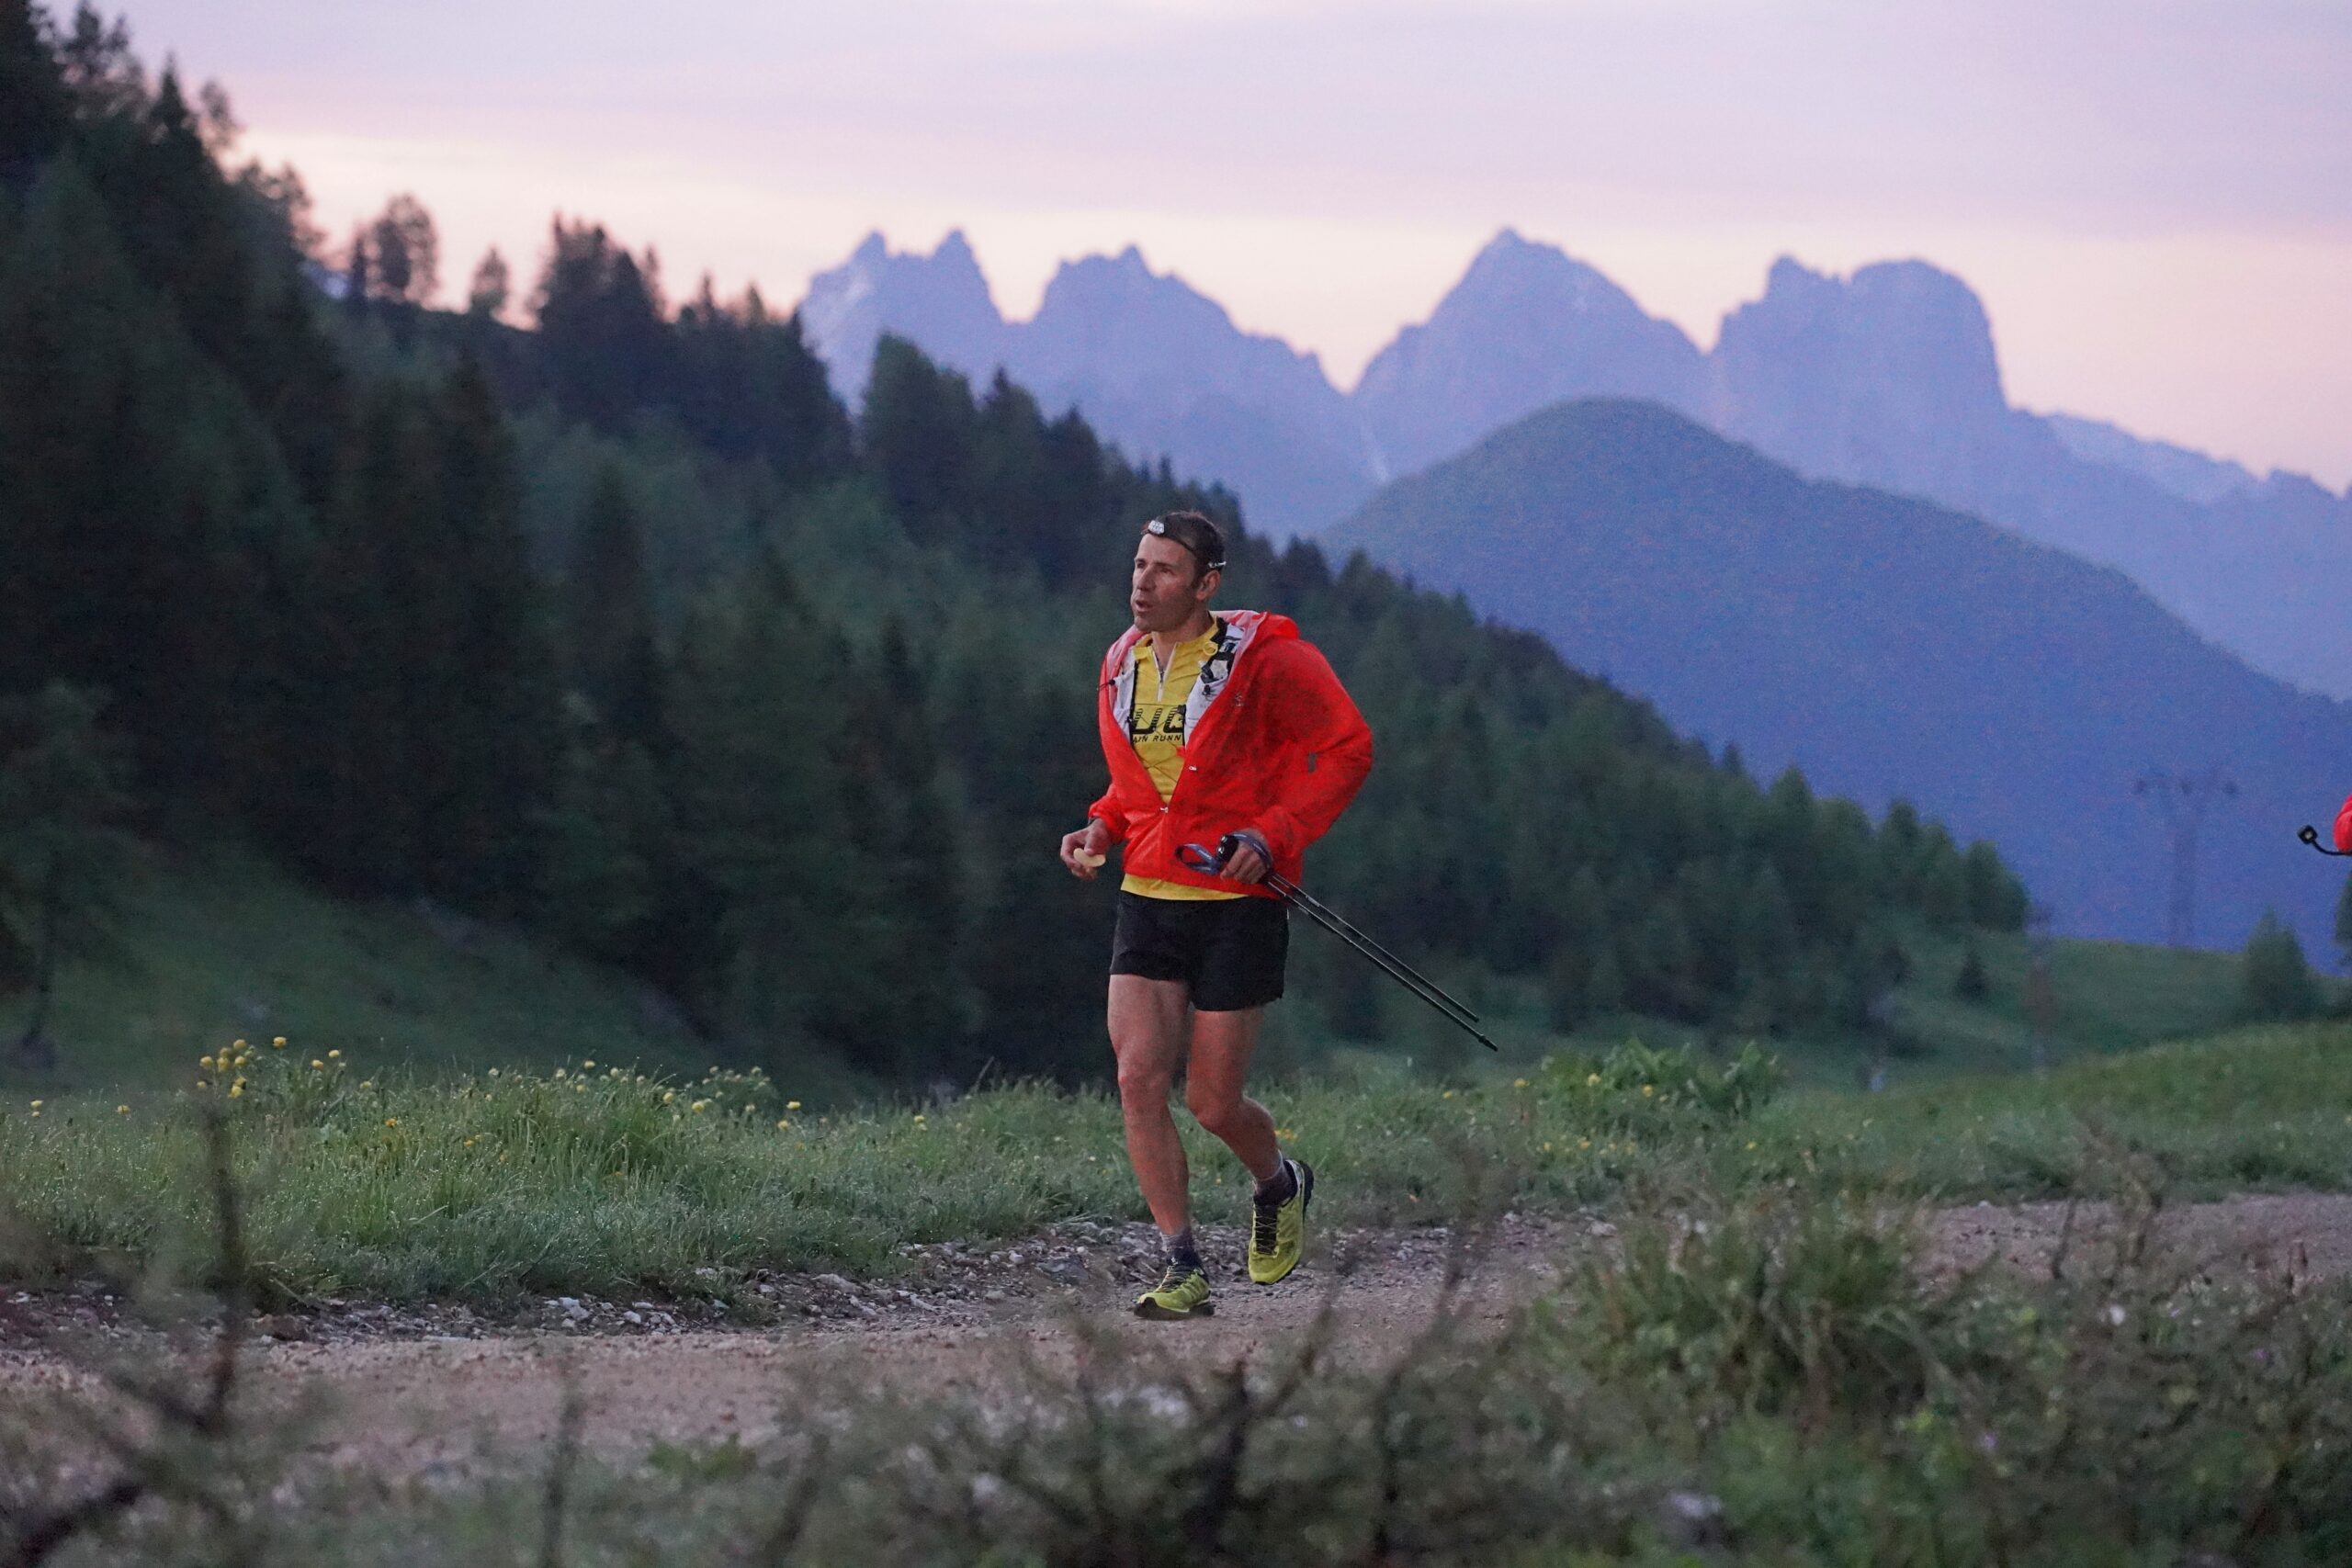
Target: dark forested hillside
{"x":621,"y":628}
{"x":1891,"y":648}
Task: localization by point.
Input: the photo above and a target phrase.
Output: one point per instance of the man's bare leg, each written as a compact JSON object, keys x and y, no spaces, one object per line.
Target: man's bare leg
{"x":1151,"y":1022}
{"x":1222,"y":1045}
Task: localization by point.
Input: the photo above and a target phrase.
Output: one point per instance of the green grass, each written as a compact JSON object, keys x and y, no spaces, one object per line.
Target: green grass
{"x":2106,"y":996}
{"x":217,"y":946}
{"x":603,"y":1181}
{"x":2268,"y":1107}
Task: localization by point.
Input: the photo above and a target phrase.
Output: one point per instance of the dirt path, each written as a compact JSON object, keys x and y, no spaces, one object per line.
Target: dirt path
{"x":414,"y":1397}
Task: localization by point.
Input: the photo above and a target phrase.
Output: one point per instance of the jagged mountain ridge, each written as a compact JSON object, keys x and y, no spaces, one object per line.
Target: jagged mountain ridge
{"x":1156,"y":366}
{"x":1888,"y":377}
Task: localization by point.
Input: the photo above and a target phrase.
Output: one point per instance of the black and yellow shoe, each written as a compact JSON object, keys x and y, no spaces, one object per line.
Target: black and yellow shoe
{"x":1277,"y":1229}
{"x":1180,"y":1293}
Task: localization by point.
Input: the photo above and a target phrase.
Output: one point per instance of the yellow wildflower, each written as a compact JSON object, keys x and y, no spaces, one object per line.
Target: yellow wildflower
{"x":1592,"y":1080}
{"x":204,"y":1061}
{"x":334,"y":1056}
{"x":236,"y":1044}
{"x":37,"y":1104}
{"x":699,"y":1105}
{"x":122,"y":1110}
{"x":391,"y":1121}
{"x":277,"y":1043}
{"x":317,"y":1066}
{"x":1648,"y":1090}
{"x":668,"y":1095}
{"x":794,"y":1105}
{"x":1519,"y":1083}
{"x":588,"y":1064}
{"x":236,"y":1091}
{"x":1447,"y":1095}
{"x":782,"y":1127}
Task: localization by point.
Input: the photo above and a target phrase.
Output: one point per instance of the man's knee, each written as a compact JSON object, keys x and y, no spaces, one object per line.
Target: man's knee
{"x":1216,"y":1110}
{"x":1143,"y":1083}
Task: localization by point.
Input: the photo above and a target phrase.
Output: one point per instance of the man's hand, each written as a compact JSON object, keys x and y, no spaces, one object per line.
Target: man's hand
{"x":1247,"y":861}
{"x":1084,"y":851}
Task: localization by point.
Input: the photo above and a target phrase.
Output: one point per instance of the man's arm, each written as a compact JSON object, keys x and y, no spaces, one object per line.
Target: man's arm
{"x":1314,"y":713}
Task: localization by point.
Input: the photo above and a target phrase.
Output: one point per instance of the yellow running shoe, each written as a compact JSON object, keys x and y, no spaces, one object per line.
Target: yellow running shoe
{"x":1181,"y":1292}
{"x":1276,"y":1228}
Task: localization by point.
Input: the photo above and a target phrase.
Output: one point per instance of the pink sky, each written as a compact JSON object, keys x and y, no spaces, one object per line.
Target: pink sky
{"x":2155,"y":197}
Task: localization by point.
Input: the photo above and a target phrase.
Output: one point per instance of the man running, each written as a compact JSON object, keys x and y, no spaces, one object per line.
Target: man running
{"x":1211,"y":724}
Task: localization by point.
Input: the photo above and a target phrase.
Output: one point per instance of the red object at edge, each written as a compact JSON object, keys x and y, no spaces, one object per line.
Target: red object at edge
{"x":2344,"y":826}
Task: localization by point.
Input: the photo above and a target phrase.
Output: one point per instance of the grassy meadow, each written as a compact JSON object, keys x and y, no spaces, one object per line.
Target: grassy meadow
{"x":1760,"y":1373}
{"x":600,"y":1177}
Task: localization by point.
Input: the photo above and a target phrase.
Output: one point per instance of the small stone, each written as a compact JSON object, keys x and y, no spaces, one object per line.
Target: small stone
{"x":1602,"y":1227}
{"x":632,"y":1317}
{"x":833,"y":1282}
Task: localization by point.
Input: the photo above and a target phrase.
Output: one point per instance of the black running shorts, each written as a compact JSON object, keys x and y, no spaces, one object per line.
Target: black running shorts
{"x":1228,"y":952}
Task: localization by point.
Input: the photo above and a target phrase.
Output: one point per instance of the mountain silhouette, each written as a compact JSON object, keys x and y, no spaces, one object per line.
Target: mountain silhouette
{"x":1527,"y":326}
{"x":1888,"y":377}
{"x":1890,"y":648}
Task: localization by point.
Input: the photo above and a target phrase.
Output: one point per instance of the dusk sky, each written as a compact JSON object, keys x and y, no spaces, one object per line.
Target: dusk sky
{"x":2154,"y":198}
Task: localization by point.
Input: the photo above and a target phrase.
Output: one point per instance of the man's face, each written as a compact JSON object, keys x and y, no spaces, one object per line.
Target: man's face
{"x":1169,"y":585}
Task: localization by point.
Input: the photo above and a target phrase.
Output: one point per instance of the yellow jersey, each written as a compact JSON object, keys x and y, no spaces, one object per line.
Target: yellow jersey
{"x":1156,"y":728}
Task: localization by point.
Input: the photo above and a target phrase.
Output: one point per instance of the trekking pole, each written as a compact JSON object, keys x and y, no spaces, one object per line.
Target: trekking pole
{"x":1209,"y":863}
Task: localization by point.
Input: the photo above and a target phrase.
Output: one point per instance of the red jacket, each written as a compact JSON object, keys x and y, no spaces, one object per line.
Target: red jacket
{"x":1271,"y":742}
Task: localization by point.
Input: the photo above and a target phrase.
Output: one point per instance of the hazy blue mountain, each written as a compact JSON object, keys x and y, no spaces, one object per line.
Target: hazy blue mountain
{"x":1152,"y":363}
{"x":1889,"y":647}
{"x":1889,"y":378}
{"x":1527,"y":326}
{"x":2190,"y":475}
{"x":1160,"y":369}
{"x":940,"y":301}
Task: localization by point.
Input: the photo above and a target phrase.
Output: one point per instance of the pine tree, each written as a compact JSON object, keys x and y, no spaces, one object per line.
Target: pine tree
{"x":612,"y":647}
{"x":2275,"y":984}
{"x":63,"y":792}
{"x":1972,"y":984}
{"x":916,"y":435}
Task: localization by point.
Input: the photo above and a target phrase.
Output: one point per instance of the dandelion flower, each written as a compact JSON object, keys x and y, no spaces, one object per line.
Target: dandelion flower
{"x":921,"y":1117}
{"x":317,"y":1066}
{"x":122,"y":1110}
{"x":781,"y":1126}
{"x":588,"y":1064}
{"x":1648,"y":1090}
{"x":277,"y":1043}
{"x":391,"y":1121}
{"x":559,"y":1072}
{"x":794,"y":1105}
{"x":236,"y":1044}
{"x":1592,"y":1080}
{"x":204,"y":1061}
{"x":236,"y":1091}
{"x":668,"y":1095}
{"x":37,"y":1104}
{"x":699,"y":1106}
{"x":1447,"y":1095}
{"x":366,"y":1083}
{"x":334,"y":1056}
{"x":1519,"y":1083}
